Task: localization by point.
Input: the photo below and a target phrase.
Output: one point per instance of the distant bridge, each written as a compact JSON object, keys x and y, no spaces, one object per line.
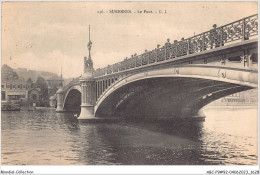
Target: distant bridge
{"x":173,"y":80}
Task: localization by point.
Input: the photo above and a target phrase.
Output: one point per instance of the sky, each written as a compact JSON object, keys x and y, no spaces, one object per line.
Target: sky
{"x":48,"y":36}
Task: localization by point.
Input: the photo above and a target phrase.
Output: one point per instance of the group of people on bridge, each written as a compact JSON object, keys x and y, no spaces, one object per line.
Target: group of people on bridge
{"x":211,"y":39}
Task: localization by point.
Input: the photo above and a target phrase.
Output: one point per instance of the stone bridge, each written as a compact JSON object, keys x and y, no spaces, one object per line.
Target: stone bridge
{"x":173,"y":80}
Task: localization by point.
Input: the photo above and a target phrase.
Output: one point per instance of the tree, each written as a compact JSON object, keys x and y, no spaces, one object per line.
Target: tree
{"x":41,"y":83}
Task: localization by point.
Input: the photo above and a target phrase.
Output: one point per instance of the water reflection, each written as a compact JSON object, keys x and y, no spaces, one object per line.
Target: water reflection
{"x":47,"y":137}
{"x":230,"y":135}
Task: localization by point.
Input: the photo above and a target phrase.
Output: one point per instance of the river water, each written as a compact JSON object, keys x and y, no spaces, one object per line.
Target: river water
{"x":227,"y":137}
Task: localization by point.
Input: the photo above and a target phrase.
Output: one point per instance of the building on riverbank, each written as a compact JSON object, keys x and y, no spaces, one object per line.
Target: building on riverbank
{"x":16,"y":89}
{"x":13,"y":89}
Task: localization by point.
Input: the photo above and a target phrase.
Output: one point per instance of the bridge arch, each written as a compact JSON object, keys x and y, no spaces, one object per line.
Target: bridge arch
{"x":72,"y":99}
{"x":182,"y":89}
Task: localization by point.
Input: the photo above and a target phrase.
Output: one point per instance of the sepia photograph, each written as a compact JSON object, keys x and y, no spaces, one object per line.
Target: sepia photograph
{"x":129,"y":83}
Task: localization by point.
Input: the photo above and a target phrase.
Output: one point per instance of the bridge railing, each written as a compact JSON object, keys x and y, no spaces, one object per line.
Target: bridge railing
{"x":217,"y":37}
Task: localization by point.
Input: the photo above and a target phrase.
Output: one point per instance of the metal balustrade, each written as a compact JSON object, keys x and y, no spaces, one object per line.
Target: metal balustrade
{"x":242,"y":29}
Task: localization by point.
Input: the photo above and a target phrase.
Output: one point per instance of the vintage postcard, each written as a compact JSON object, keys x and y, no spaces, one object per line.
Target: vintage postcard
{"x":129,"y":83}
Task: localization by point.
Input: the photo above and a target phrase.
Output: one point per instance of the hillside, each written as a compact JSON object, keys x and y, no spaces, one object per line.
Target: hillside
{"x":25,"y":74}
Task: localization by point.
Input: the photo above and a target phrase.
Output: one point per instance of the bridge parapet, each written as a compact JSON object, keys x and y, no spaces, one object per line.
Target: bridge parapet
{"x":243,"y":29}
